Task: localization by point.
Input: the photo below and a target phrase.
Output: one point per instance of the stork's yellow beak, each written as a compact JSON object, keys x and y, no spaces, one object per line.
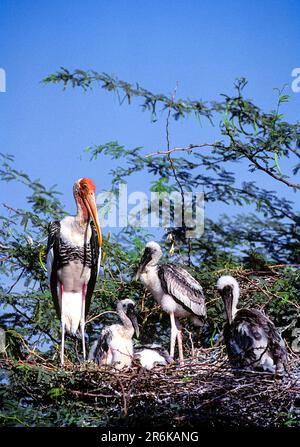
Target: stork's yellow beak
{"x":90,"y":202}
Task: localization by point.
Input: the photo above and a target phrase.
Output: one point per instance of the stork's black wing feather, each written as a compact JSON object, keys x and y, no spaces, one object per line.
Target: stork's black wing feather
{"x":102,"y":346}
{"x":240,"y":342}
{"x":95,"y":253}
{"x":239,"y":346}
{"x":52,"y":260}
{"x":185,"y":290}
{"x":276,"y":345}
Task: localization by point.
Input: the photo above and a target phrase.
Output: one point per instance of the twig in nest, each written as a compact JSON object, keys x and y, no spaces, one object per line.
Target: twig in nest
{"x":124,"y":398}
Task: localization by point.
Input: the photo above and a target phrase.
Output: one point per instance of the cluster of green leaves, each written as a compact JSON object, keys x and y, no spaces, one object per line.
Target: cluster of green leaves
{"x":50,"y":407}
{"x":249,"y":133}
{"x":127,"y":91}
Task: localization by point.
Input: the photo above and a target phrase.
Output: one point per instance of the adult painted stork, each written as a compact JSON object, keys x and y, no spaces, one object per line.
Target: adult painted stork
{"x":252,"y":341}
{"x":152,"y":355}
{"x":114,"y":346}
{"x":73,"y":259}
{"x":177,"y":292}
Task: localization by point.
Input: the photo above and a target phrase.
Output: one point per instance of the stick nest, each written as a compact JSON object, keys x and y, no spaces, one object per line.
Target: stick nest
{"x":205,"y":392}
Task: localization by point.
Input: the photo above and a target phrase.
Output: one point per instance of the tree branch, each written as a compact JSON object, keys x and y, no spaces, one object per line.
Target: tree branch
{"x":185,"y":149}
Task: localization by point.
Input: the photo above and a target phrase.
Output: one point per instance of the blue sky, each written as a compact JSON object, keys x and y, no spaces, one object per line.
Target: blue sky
{"x":202,"y":45}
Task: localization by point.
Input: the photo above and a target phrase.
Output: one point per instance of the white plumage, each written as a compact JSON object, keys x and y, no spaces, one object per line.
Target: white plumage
{"x":230,"y":281}
{"x":151,"y":356}
{"x":72,"y":310}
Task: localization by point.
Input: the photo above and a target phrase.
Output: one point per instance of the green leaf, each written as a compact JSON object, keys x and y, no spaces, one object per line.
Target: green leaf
{"x":56,"y":392}
{"x":283,"y":98}
{"x":277,"y":163}
{"x":186,"y":379}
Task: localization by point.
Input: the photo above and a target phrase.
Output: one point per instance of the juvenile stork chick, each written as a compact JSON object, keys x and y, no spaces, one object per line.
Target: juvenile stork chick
{"x":152,"y":355}
{"x":177,"y":292}
{"x":114,"y":346}
{"x":251,"y":338}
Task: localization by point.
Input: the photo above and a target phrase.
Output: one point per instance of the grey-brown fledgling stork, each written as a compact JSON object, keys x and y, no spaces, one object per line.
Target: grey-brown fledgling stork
{"x":114,"y":346}
{"x":252,"y":341}
{"x":73,"y":259}
{"x":177,"y":292}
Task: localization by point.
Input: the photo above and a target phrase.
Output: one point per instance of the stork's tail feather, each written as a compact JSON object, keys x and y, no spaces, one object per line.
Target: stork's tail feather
{"x":227,"y":280}
{"x":71,"y":310}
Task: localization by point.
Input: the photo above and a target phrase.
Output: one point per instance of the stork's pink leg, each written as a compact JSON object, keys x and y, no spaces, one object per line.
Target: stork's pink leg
{"x":179,"y":339}
{"x":62,"y":318}
{"x":82,"y":322}
{"x":173,"y":335}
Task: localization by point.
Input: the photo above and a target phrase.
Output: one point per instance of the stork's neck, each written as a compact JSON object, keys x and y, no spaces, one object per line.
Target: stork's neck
{"x":235,"y":299}
{"x":123,"y":317}
{"x":234,"y":309}
{"x":83,"y":215}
